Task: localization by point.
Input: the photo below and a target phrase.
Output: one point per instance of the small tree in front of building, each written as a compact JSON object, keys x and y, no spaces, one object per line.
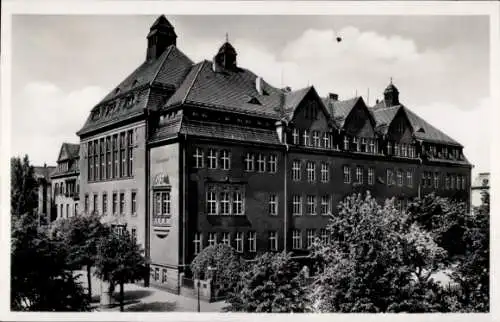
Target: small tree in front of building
{"x":23,"y":196}
{"x":120,"y":260}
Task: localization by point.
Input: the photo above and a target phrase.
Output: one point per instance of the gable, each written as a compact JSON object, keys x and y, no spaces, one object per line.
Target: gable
{"x":400,"y":129}
{"x":359,"y":121}
{"x":311,"y":114}
{"x":63,"y":153}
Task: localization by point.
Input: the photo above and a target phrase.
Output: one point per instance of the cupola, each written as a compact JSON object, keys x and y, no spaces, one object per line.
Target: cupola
{"x":226,"y":56}
{"x":391,"y":95}
{"x":161,"y":36}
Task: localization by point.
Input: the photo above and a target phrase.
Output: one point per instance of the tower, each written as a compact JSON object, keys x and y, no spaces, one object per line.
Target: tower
{"x":391,"y":95}
{"x":226,"y":56}
{"x":161,"y":36}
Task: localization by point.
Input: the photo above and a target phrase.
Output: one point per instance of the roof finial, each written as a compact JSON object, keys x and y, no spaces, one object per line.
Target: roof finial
{"x":390,"y":80}
{"x":227,"y":37}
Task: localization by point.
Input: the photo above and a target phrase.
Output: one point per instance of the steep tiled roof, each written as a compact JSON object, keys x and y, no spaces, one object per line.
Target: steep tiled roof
{"x":339,"y":110}
{"x":73,"y":150}
{"x":43,"y":172}
{"x":292,"y":99}
{"x":230,"y":90}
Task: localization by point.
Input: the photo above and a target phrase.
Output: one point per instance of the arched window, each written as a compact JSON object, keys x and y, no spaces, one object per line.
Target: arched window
{"x":62,"y":188}
{"x":56,"y":189}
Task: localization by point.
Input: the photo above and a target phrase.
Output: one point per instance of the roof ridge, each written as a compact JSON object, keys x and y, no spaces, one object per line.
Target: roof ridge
{"x":159,"y":67}
{"x":194,"y":80}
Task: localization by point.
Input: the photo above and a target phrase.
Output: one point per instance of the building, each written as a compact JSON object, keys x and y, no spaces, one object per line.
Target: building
{"x":480,"y":184}
{"x":191,"y":154}
{"x":66,"y":181}
{"x":45,"y":202}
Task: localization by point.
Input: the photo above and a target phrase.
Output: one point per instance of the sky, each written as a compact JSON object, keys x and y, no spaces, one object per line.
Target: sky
{"x":63,"y":65}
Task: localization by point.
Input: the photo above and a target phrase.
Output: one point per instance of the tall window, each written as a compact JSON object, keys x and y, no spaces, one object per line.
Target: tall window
{"x":390,"y":176}
{"x":108,"y":158}
{"x":346,"y":143}
{"x":325,"y":173}
{"x":296,"y":170}
{"x":436,"y":180}
{"x":237,"y":203}
{"x":295,"y":136}
{"x":212,"y":159}
{"x":211,"y":202}
{"x":90,"y":162}
{"x":252,"y":241}
{"x":306,"y":138}
{"x":239,"y":242}
{"x":115,"y":157}
{"x":296,"y":239}
{"x":226,"y":238}
{"x":134,"y":234}
{"x":325,"y":205}
{"x":347,"y":174}
{"x":396,"y":149}
{"x":389,"y":148}
{"x":326,"y":141}
{"x":273,"y":204}
{"x":364,"y":145}
{"x":67,"y":210}
{"x":130,"y":153}
{"x":102,"y":174}
{"x":133,"y":201}
{"x":399,"y":174}
{"x":122,"y":203}
{"x":355,"y":143}
{"x":324,"y":235}
{"x":316,"y":141}
{"x":297,"y":205}
{"x":273,"y":241}
{"x":372,"y":146}
{"x":311,"y":205}
{"x":62,"y":211}
{"x":123,"y":157}
{"x":96,"y":160}
{"x":273,"y":163}
{"x":409,"y":178}
{"x":310,"y":234}
{"x":261,"y":163}
{"x":104,"y":204}
{"x":359,"y":174}
{"x":447,"y":182}
{"x":224,"y":203}
{"x":94,"y":208}
{"x":197,"y":243}
{"x":311,"y":171}
{"x":212,"y":239}
{"x":371,"y":176}
{"x":249,"y":162}
{"x":162,"y":202}
{"x":198,"y":158}
{"x":115,"y":203}
{"x":86,"y":203}
{"x":225,"y":160}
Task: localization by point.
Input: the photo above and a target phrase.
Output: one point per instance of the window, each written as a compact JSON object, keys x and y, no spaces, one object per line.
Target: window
{"x":101,"y":158}
{"x":326,"y":141}
{"x":122,"y":203}
{"x":295,"y":136}
{"x":364,"y":145}
{"x":325,"y":173}
{"x":67,"y":210}
{"x":86,"y":203}
{"x":452,"y":181}
{"x":226,"y":238}
{"x":316,"y":142}
{"x":296,"y":239}
{"x":104,"y":203}
{"x":273,"y":163}
{"x":261,"y":163}
{"x":249,"y":162}
{"x":115,"y":157}
{"x":163,"y":275}
{"x":347,"y":174}
{"x":212,"y":239}
{"x":297,"y":205}
{"x":404,"y":150}
{"x":225,"y":160}
{"x":390,"y":177}
{"x":157,"y":274}
{"x":224,"y":203}
{"x":436,"y":180}
{"x":211,"y":202}
{"x":396,"y":149}
{"x":296,"y":170}
{"x":372,"y":146}
{"x":198,"y":158}
{"x":273,"y":204}
{"x":409,"y":178}
{"x":108,"y":158}
{"x":355,"y":143}
{"x":359,"y":174}
{"x":306,"y":138}
{"x":389,"y":148}
{"x":239,"y":242}
{"x":273,"y":241}
{"x":130,"y":153}
{"x":90,"y":162}
{"x":133,"y":201}
{"x":94,"y":208}
{"x":237,"y":203}
{"x":134,"y":234}
{"x":324,"y":235}
{"x":463,"y":182}
{"x":197,"y":243}
{"x":61,"y":211}
{"x":311,"y":205}
{"x":399,"y":175}
{"x":325,"y":205}
{"x":212,"y":159}
{"x":346,"y":143}
{"x":371,"y":176}
{"x":123,"y":157}
{"x":411,"y":151}
{"x":311,"y":171}
{"x":310,"y":235}
{"x":252,"y":242}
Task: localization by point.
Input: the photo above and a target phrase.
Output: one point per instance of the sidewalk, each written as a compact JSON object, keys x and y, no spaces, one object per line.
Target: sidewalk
{"x":148,"y":299}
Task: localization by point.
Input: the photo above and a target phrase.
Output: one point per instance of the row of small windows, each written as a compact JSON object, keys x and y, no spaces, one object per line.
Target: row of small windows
{"x":447,"y":181}
{"x":155,"y":274}
{"x":311,"y":235}
{"x":238,"y":240}
{"x":61,"y":213}
{"x":222,"y":159}
{"x":70,"y":189}
{"x":399,"y":177}
{"x":312,"y":203}
{"x":225,"y":200}
{"x":117,"y":203}
{"x":111,"y":157}
{"x":443,"y":152}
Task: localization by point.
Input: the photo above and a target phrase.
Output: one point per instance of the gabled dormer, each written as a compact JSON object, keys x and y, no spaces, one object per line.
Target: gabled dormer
{"x":359,"y":121}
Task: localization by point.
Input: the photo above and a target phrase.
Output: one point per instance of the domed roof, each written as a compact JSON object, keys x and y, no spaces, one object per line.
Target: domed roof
{"x":227,"y":48}
{"x":391,"y":88}
{"x":161,"y":21}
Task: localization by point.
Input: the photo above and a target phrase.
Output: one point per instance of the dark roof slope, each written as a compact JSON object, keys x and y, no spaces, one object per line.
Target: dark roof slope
{"x":43,"y":172}
{"x":73,"y":150}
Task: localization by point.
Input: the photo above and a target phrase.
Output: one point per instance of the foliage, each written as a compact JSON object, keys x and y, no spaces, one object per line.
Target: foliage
{"x":226,"y":265}
{"x":24,"y":199}
{"x":40,"y":277}
{"x":120,"y":260}
{"x":472,"y":272}
{"x":376,"y":260}
{"x":272,"y":283}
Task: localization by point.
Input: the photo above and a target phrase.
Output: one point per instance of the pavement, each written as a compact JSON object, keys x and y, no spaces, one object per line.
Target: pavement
{"x":147,"y":299}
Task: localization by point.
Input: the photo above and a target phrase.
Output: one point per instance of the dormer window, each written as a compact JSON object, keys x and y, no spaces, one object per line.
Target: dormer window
{"x":346,"y":143}
{"x":295,"y":136}
{"x":306,"y":138}
{"x":316,"y":139}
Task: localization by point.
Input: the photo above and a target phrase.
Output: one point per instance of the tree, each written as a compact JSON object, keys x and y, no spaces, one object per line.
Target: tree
{"x":272,"y":283}
{"x":226,"y":265}
{"x":24,"y":198}
{"x":374,"y":261}
{"x":120,"y":261}
{"x":40,"y":277}
{"x":81,"y":235}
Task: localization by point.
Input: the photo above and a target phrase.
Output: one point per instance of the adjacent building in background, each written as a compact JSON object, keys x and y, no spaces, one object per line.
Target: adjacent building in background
{"x":46,"y":208}
{"x":187,"y":155}
{"x":66,"y":181}
{"x":480,"y":184}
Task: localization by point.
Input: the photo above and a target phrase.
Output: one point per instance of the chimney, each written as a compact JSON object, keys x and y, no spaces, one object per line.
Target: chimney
{"x":287,"y":89}
{"x":258,"y":85}
{"x":333,"y":96}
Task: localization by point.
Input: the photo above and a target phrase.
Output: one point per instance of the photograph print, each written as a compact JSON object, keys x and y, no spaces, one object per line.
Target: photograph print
{"x":250,"y":163}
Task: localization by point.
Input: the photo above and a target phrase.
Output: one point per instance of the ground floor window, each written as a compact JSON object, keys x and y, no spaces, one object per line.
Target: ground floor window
{"x":296,"y":239}
{"x":164,"y":275}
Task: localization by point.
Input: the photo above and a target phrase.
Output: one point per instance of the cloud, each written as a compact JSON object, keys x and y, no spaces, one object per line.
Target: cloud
{"x":44,"y":116}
